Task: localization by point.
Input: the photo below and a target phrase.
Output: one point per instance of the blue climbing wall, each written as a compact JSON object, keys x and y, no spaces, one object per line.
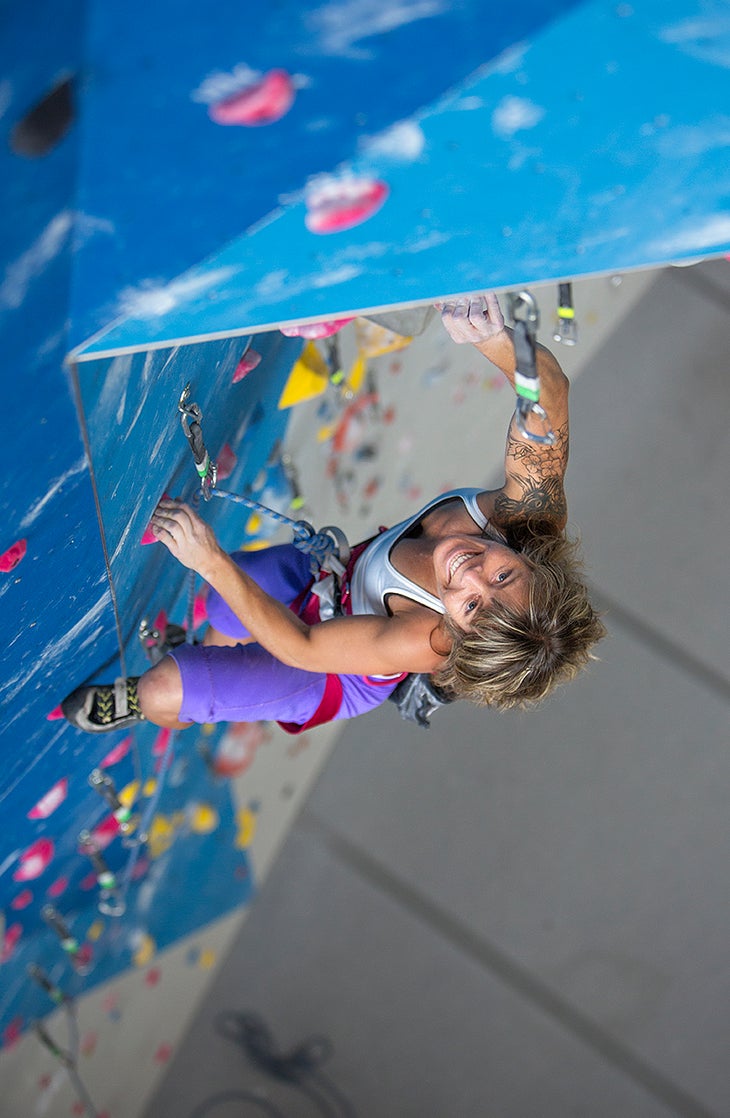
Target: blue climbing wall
{"x":398,"y":153}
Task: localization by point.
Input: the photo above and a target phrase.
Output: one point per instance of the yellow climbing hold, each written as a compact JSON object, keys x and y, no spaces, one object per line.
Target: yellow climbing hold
{"x":161,"y":836}
{"x":309,"y":377}
{"x":149,"y":787}
{"x":94,"y":930}
{"x":206,"y":959}
{"x":203,"y":819}
{"x":128,"y":794}
{"x":246,"y":820}
{"x":146,"y":950}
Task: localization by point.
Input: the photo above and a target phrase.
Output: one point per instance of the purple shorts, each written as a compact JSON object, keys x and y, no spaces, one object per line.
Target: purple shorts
{"x":246,"y":683}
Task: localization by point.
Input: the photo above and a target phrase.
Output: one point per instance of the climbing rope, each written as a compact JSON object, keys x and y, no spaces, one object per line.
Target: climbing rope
{"x":328,"y":549}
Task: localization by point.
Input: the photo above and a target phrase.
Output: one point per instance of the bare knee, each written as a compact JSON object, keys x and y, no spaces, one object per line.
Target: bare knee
{"x":160,"y":695}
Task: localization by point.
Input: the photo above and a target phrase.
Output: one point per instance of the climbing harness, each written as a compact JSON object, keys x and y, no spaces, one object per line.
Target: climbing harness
{"x":526,"y":318}
{"x":328,"y":549}
{"x":417,"y":698}
{"x":565,"y":330}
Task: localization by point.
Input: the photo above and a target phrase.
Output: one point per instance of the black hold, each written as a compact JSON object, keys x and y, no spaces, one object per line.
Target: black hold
{"x":45,"y":125}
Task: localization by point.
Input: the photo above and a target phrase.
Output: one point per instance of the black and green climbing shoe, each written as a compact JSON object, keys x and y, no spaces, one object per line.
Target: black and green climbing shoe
{"x":101,"y":707}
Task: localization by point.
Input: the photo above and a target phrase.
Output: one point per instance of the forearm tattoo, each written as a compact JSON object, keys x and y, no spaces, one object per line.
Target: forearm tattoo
{"x":538,"y":471}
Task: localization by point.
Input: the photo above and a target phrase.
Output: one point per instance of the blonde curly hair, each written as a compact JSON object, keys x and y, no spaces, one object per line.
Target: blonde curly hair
{"x":514,"y":658}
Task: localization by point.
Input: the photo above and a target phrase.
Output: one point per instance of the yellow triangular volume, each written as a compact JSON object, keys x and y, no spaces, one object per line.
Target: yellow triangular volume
{"x":356,"y":376}
{"x":308,"y":378}
{"x":374,"y":341}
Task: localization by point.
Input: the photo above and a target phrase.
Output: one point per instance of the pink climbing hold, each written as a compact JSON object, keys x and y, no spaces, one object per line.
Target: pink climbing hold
{"x":149,"y":536}
{"x":10,"y":558}
{"x":337,"y":204}
{"x":53,"y":798}
{"x":12,"y":935}
{"x":22,"y":900}
{"x":264,"y":102}
{"x":105,"y":832}
{"x":55,"y":714}
{"x":226,"y":461}
{"x":314,"y":330}
{"x":118,"y":753}
{"x":250,"y":360}
{"x":57,"y":888}
{"x":200,"y":609}
{"x":35,"y":860}
{"x":161,"y":742}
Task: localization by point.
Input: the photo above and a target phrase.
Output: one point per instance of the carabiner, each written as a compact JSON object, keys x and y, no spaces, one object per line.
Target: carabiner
{"x":526,"y":318}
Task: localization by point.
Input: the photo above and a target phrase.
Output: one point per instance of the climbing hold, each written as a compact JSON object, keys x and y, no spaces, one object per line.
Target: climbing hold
{"x":149,"y":536}
{"x":308,"y":378}
{"x":246,"y":821}
{"x":246,"y":365}
{"x":203,"y":819}
{"x":264,"y":102}
{"x":118,"y":753}
{"x":145,"y":948}
{"x":55,"y":714}
{"x":200,"y":609}
{"x":22,"y":900}
{"x":374,"y":340}
{"x":35,"y":860}
{"x":226,"y":462}
{"x":10,"y":558}
{"x":52,"y":799}
{"x":314,"y":330}
{"x":105,"y":833}
{"x":336,"y":204}
{"x":57,"y":888}
{"x":10,"y":940}
{"x":46,"y":123}
{"x":161,"y":742}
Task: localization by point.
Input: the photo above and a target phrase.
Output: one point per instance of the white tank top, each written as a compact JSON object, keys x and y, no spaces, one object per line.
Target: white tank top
{"x":374,"y":576}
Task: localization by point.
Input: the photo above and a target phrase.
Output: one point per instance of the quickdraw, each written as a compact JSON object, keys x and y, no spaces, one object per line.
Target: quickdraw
{"x":566,"y":330}
{"x":328,"y":548}
{"x":526,"y":318}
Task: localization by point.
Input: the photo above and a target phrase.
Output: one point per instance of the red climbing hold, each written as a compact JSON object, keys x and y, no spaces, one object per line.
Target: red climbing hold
{"x":10,"y":558}
{"x":262,"y":103}
{"x":246,"y":365}
{"x":52,"y":799}
{"x":226,"y":462}
{"x":336,"y":204}
{"x":34,"y":860}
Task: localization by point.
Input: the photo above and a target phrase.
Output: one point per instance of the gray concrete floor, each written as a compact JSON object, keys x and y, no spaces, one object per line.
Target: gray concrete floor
{"x":522,"y":915}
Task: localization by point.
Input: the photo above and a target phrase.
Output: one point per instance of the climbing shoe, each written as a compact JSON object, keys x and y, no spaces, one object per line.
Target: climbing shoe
{"x":101,"y":707}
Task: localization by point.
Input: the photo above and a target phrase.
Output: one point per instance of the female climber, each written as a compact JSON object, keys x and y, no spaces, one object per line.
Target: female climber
{"x":480,"y":590}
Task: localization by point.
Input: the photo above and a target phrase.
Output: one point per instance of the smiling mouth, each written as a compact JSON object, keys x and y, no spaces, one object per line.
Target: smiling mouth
{"x":457,"y":562}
